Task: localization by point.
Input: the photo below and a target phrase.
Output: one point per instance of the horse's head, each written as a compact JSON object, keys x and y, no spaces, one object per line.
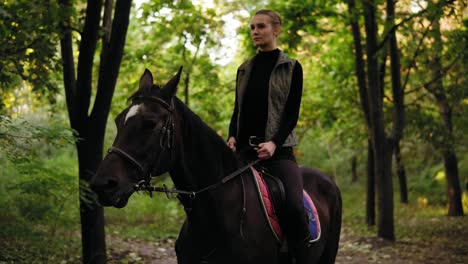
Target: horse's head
{"x":143,"y":146}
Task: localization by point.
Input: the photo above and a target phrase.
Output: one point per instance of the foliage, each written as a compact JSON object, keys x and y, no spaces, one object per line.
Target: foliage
{"x":38,"y":211}
{"x":177,"y":33}
{"x":39,"y":206}
{"x":39,"y":189}
{"x":28,"y":48}
{"x":424,"y":119}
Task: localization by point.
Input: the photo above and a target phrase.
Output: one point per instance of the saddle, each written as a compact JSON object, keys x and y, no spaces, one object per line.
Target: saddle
{"x":275,"y":189}
{"x":273,"y":199}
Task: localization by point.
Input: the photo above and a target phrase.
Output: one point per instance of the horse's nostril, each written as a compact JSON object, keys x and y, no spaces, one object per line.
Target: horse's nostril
{"x":111,"y":183}
{"x":104,"y":184}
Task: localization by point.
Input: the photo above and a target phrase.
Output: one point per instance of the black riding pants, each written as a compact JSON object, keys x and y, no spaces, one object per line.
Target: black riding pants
{"x":295,"y":221}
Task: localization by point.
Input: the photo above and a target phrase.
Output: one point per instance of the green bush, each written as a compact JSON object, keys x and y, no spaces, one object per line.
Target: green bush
{"x":39,"y":206}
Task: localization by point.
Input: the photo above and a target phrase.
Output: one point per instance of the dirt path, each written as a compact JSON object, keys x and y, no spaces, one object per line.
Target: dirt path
{"x":353,"y":250}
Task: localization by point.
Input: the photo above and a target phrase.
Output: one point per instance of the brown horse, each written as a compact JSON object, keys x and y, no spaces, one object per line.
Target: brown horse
{"x":225,"y":223}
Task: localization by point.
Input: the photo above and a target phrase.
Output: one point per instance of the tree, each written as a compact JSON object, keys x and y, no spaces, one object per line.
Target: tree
{"x":28,"y":30}
{"x":381,"y":145}
{"x":436,"y":88}
{"x":373,"y":88}
{"x":164,"y":35}
{"x":90,"y":125}
{"x":362,"y":87}
{"x":440,"y":67}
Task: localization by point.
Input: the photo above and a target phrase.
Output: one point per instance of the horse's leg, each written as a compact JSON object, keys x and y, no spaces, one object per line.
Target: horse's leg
{"x":331,"y":247}
{"x":182,"y":246}
{"x":327,"y":199}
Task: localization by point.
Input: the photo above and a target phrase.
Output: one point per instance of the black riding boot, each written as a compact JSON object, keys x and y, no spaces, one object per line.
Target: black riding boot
{"x":300,"y":250}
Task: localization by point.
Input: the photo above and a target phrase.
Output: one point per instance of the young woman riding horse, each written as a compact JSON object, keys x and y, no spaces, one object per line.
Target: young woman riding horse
{"x":268,"y":97}
{"x":225,"y":221}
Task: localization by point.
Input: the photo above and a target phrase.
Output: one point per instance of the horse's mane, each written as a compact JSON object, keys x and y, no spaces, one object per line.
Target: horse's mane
{"x":195,"y":129}
{"x":202,"y":145}
{"x":193,"y":121}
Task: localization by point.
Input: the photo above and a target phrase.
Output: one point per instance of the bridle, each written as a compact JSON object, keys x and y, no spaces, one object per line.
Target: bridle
{"x":166,"y":143}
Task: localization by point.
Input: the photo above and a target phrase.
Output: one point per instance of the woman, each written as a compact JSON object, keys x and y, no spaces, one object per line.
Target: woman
{"x":268,"y":97}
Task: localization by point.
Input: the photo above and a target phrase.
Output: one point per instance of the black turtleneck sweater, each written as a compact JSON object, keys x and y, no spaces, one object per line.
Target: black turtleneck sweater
{"x":255,"y":102}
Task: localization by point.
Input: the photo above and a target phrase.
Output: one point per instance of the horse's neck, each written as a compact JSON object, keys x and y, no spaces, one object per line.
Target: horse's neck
{"x":204,"y":159}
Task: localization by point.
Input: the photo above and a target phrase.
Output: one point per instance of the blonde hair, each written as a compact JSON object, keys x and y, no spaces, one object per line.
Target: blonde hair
{"x":274,"y":16}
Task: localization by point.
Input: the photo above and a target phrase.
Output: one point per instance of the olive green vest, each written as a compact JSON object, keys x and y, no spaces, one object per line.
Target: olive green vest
{"x":278,"y":92}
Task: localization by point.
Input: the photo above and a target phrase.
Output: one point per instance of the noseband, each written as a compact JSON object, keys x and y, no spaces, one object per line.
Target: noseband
{"x":166,"y":142}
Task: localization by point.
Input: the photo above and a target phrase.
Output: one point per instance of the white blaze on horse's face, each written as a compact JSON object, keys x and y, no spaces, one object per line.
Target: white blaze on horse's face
{"x":133,"y":111}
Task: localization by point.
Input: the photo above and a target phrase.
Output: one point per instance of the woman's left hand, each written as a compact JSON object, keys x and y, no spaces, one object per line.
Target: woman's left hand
{"x":266,"y":150}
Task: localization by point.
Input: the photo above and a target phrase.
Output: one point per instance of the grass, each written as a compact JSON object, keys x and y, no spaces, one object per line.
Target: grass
{"x":147,"y":218}
{"x":152,"y":219}
{"x":424,"y":234}
{"x":408,"y":217}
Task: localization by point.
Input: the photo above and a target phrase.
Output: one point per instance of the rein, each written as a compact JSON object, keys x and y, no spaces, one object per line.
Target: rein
{"x":167,"y":141}
{"x":143,"y":186}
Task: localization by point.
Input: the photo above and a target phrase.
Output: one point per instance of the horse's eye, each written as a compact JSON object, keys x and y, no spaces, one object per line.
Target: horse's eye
{"x":149,"y":124}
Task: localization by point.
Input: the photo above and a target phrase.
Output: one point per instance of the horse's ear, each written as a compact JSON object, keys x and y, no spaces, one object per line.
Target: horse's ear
{"x":146,"y":81}
{"x":171,"y":85}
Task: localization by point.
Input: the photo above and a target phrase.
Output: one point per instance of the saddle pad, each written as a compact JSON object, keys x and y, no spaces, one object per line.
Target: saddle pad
{"x":267,"y":204}
{"x":312,"y":216}
{"x":271,"y":216}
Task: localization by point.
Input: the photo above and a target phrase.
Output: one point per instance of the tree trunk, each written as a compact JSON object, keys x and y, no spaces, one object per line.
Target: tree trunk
{"x":370,"y":198}
{"x":398,"y":118}
{"x":186,"y":88}
{"x":381,"y":146}
{"x":401,"y":175}
{"x":453,"y":184}
{"x":91,"y":128}
{"x":362,"y":86}
{"x":445,"y":110}
{"x":91,"y":214}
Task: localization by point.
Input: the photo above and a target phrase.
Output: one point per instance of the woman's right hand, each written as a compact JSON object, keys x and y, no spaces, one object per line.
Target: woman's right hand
{"x":232,"y":143}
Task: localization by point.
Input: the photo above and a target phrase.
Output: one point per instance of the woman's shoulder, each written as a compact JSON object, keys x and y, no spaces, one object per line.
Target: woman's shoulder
{"x":246,"y":63}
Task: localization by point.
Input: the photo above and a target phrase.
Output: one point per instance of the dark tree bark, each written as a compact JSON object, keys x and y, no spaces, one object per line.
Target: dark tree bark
{"x":362,"y":86}
{"x":398,"y":116}
{"x":91,"y":127}
{"x":401,"y":175}
{"x":187,"y":88}
{"x":370,"y":186}
{"x":188,"y":69}
{"x":382,"y":146}
{"x":436,"y":88}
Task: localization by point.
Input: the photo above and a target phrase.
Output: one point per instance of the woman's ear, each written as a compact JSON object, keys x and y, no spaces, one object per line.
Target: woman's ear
{"x":276,"y":30}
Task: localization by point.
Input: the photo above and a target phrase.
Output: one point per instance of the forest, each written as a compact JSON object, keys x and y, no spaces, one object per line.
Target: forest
{"x":384,"y":112}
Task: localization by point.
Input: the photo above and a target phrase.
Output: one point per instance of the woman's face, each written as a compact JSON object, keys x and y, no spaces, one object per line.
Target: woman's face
{"x":263,"y":32}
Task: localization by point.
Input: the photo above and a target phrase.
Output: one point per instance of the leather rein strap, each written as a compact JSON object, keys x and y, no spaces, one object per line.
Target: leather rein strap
{"x":167,"y":141}
{"x":194,"y":194}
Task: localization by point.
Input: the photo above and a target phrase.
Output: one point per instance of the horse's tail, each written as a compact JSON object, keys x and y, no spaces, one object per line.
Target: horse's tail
{"x":333,"y":240}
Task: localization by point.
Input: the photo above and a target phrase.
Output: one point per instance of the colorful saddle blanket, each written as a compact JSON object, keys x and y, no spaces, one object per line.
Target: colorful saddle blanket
{"x":272,"y":216}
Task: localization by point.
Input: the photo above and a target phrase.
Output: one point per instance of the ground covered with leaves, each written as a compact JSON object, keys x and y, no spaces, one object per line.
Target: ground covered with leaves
{"x":145,"y":232}
{"x":444,"y":241}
